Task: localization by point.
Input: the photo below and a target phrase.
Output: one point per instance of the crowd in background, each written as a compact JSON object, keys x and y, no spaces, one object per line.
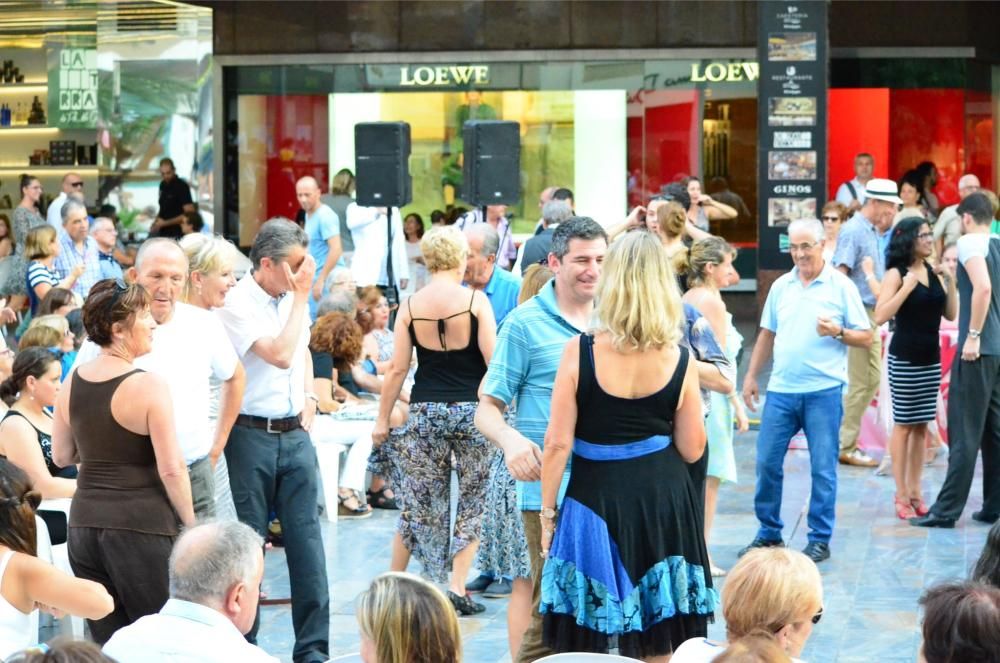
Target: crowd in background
{"x":164,"y":414}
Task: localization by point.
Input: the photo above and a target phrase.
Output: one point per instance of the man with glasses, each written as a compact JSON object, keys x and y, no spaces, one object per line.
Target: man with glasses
{"x":860,"y":255}
{"x":175,"y":202}
{"x":72,"y":185}
{"x":811,"y":316}
{"x":948,"y":227}
{"x":106,"y":235}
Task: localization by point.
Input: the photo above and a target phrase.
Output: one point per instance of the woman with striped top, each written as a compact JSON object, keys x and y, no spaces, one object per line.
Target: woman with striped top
{"x":916,"y":297}
{"x":41,"y":249}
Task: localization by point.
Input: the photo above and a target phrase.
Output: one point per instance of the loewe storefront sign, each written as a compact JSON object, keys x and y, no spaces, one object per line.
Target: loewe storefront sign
{"x":448,"y":75}
{"x":729,"y":72}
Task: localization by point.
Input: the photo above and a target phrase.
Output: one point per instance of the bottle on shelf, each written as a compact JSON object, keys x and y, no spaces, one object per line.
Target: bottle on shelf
{"x":37,"y":115}
{"x":20,"y":115}
{"x":4,"y":116}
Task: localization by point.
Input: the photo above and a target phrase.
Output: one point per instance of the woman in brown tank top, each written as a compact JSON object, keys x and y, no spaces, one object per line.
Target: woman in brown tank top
{"x":116,"y":421}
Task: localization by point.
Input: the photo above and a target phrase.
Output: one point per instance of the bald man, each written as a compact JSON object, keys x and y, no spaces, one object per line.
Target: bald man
{"x":72,"y":184}
{"x":948,"y":227}
{"x":323,"y":229}
{"x":190,"y":347}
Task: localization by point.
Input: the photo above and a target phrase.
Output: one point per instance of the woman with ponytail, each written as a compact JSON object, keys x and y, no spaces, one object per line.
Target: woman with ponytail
{"x":26,"y":429}
{"x":26,"y":582}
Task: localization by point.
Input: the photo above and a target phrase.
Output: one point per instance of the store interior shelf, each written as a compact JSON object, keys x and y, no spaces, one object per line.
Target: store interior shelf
{"x":40,"y":86}
{"x":29,"y":127}
{"x":30,"y":168}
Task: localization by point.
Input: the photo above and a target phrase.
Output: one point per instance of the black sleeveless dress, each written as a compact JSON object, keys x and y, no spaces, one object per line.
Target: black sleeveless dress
{"x":628,"y":560}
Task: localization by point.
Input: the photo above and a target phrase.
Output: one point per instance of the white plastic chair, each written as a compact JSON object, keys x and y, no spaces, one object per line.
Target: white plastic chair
{"x":587,"y":658}
{"x":58,"y":555}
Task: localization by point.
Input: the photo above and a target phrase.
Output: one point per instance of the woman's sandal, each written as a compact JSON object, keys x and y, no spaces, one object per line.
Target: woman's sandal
{"x":919,"y":506}
{"x":346,"y":511}
{"x":380,"y":500}
{"x":904,"y":511}
{"x":464,"y":605}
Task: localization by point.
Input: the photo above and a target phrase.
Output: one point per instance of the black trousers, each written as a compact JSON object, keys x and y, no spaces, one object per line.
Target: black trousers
{"x":973,"y":422}
{"x":278,"y":470}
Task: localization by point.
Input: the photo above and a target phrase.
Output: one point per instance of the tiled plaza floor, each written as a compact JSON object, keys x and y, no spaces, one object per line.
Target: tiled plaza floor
{"x":878,"y":568}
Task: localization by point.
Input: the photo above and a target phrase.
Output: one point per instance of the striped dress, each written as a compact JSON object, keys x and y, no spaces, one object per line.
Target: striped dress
{"x":915,"y":353}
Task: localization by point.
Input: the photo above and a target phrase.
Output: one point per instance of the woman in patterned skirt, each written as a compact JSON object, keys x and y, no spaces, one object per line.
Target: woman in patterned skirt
{"x":916,"y":297}
{"x":626,"y":558}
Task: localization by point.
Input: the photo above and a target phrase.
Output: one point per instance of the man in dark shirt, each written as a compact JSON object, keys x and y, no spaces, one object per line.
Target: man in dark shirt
{"x":175,"y":202}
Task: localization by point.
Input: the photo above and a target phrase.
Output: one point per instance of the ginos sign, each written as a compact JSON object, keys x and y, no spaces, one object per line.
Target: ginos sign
{"x":444,"y":76}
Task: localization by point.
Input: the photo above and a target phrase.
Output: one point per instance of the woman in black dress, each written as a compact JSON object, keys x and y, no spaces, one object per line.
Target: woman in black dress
{"x":913,"y":293}
{"x":627,"y":560}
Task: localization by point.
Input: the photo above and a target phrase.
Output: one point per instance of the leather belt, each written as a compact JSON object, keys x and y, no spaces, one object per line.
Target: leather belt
{"x":281,"y":425}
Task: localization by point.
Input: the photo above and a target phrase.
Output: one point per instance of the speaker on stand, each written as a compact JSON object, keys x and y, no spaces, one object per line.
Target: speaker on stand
{"x":382,"y":174}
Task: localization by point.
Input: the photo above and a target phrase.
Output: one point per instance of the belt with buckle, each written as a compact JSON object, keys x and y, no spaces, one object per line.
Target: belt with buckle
{"x":279,"y":425}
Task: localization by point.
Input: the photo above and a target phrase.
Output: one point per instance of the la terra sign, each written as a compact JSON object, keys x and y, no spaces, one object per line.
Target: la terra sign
{"x":444,"y":76}
{"x":724,"y":72}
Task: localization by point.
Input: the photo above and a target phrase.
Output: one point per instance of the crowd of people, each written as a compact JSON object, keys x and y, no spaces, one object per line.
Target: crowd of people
{"x":179,"y":406}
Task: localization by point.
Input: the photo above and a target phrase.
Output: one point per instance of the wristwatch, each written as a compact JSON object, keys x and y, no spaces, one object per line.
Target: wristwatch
{"x":547,"y":512}
{"x":840,"y":335}
{"x":974,"y":333}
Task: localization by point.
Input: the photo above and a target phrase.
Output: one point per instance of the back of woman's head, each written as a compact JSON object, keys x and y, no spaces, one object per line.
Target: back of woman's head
{"x":769,"y":588}
{"x":758,"y":647}
{"x":901,"y":244}
{"x":33,"y":362}
{"x":18,"y":501}
{"x":409,"y":620}
{"x":532,"y":281}
{"x":338,"y":334}
{"x":444,"y":248}
{"x":671,"y":217}
{"x":40,"y":336}
{"x":62,"y":650}
{"x":38,"y":244}
{"x":343,"y":183}
{"x":638,"y":303}
{"x":709,"y":251}
{"x":961,"y":623}
{"x":112,"y":302}
{"x":987,"y":569}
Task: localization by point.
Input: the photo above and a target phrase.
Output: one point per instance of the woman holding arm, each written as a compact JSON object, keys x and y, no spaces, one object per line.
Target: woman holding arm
{"x":133,"y":488}
{"x":628,"y":557}
{"x":453,"y":331}
{"x":26,"y":582}
{"x":913,"y":293}
{"x":703,"y":207}
{"x":41,"y":248}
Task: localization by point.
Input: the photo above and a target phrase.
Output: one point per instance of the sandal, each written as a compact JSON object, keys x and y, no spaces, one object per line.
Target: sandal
{"x":904,"y":511}
{"x":919,"y":506}
{"x":358,"y":511}
{"x":380,"y":500}
{"x":464,"y":605}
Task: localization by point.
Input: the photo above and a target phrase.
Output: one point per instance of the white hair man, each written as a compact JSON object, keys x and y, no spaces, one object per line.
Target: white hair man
{"x":215,"y":574}
{"x":811,"y":316}
{"x":106,"y":235}
{"x":948,"y":227}
{"x":481,"y":271}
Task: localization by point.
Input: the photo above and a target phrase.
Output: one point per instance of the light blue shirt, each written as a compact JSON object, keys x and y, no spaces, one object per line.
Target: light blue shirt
{"x":804,"y":361}
{"x":183,"y":631}
{"x":858,"y":239}
{"x":523,"y":367}
{"x":321,"y":225}
{"x":502,"y":290}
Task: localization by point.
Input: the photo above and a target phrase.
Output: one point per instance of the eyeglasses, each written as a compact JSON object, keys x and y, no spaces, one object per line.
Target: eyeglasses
{"x":831,"y":218}
{"x":802,"y":247}
{"x":925,"y":236}
{"x":818,"y":616}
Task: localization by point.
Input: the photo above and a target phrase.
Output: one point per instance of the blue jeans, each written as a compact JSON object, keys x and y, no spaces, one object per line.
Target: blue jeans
{"x":818,"y":413}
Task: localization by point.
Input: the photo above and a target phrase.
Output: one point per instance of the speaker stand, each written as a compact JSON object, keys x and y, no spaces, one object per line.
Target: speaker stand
{"x":391,"y":292}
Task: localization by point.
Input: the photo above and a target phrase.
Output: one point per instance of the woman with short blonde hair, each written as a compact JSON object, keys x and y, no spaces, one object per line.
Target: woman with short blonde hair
{"x":405,"y":619}
{"x":443,"y":248}
{"x":625,"y":403}
{"x":775,"y":590}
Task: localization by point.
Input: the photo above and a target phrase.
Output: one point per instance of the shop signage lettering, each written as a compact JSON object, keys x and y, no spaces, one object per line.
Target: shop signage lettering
{"x":792,"y":189}
{"x":729,"y":72}
{"x":444,"y":76}
{"x":72,"y":98}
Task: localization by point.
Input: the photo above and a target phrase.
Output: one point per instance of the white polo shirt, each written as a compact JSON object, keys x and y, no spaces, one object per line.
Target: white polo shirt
{"x":249,"y":315}
{"x":187,"y":351}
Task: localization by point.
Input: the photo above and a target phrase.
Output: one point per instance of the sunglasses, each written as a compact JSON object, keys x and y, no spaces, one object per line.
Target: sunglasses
{"x":831,"y":218}
{"x":76,"y":185}
{"x":818,"y":616}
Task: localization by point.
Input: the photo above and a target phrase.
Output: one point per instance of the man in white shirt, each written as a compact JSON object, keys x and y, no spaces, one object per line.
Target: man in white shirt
{"x":852,"y":193}
{"x":272,"y":462}
{"x":215,"y":574}
{"x":369,"y":230}
{"x":190,"y":347}
{"x":72,"y":184}
{"x":948,"y":227}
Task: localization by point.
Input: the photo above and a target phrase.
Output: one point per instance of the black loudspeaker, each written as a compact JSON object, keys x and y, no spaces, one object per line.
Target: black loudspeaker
{"x":382,"y":164}
{"x":492,"y":162}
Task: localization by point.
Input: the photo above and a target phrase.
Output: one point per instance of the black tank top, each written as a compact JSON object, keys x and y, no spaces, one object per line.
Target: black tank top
{"x":918,"y":321}
{"x":606,"y":419}
{"x":119,"y":486}
{"x":448,"y":376}
{"x":45,"y":442}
